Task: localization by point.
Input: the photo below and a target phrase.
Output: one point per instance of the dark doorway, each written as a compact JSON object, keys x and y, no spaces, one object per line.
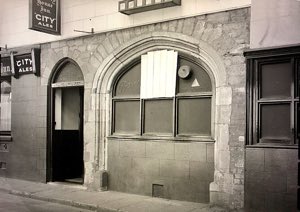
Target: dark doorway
{"x":67,"y":134}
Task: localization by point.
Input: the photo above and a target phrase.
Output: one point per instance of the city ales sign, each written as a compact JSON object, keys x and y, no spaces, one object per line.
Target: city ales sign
{"x":44,"y":16}
{"x":21,"y":64}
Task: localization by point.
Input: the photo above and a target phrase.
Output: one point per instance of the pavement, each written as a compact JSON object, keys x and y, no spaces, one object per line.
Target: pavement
{"x":101,"y":201}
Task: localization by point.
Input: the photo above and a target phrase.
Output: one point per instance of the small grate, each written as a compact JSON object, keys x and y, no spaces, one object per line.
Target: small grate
{"x":157,"y":190}
{"x":2,"y":165}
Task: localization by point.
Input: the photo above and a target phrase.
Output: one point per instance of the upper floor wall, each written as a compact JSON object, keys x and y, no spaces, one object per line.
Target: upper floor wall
{"x":102,"y":15}
{"x":274,"y":23}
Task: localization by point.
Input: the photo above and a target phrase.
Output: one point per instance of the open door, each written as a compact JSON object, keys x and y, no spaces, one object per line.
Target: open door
{"x":65,"y":141}
{"x":67,"y":136}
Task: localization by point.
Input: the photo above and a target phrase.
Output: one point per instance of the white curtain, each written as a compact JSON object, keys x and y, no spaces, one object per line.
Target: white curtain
{"x":158,"y":74}
{"x":5,"y":109}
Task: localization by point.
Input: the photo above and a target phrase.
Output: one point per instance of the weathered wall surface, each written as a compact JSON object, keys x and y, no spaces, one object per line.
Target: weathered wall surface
{"x":26,"y":158}
{"x":185,"y":169}
{"x":274,"y":23}
{"x":103,"y":16}
{"x":271,"y":179}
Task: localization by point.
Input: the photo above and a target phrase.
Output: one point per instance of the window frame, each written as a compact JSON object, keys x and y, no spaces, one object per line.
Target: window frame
{"x":188,"y":95}
{"x":5,"y":135}
{"x":255,"y":60}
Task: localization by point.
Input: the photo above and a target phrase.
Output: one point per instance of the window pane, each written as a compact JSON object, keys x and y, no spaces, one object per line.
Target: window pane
{"x":275,"y":123}
{"x":127,"y":117}
{"x":129,"y":83}
{"x":5,"y":107}
{"x":198,"y":81}
{"x":276,"y":80}
{"x":297,"y":87}
{"x":70,"y":72}
{"x":194,"y":116}
{"x":297,"y":118}
{"x":158,"y":116}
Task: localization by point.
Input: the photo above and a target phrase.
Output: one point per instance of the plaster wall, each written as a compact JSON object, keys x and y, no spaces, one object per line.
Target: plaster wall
{"x":103,"y":16}
{"x":274,"y":23}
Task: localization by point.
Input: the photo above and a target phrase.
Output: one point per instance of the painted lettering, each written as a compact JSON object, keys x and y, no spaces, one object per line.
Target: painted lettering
{"x":45,"y":18}
{"x":23,"y":62}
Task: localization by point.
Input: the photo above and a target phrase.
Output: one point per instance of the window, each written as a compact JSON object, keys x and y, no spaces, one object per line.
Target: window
{"x":186,"y":114}
{"x":273,"y":98}
{"x":5,"y":107}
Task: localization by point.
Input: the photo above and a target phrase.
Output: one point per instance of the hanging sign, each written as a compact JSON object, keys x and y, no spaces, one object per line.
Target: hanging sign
{"x":28,"y":63}
{"x":6,"y":69}
{"x":44,"y":16}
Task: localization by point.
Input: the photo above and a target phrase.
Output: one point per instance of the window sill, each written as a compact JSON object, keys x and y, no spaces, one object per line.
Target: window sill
{"x":5,"y":138}
{"x":274,"y":146}
{"x":163,"y":138}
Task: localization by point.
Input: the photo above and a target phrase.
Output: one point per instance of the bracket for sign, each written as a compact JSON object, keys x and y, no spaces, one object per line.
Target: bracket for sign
{"x":12,"y":63}
{"x":35,"y":56}
{"x":91,"y":32}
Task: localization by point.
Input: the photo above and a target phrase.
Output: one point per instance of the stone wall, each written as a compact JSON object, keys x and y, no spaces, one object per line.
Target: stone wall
{"x":26,"y":156}
{"x":271,"y":179}
{"x":184,"y":169}
{"x":218,"y":40}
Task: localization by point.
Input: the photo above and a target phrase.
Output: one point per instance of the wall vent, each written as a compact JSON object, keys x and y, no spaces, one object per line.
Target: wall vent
{"x":157,"y":190}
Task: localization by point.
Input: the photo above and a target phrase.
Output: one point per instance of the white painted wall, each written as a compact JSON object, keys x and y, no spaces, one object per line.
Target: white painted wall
{"x":102,"y":15}
{"x":274,"y":23}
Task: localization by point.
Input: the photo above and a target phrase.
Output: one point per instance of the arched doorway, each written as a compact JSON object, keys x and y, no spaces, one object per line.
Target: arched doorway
{"x":65,"y":149}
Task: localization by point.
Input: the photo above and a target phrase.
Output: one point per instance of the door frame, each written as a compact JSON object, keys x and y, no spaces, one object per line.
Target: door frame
{"x":51,"y":113}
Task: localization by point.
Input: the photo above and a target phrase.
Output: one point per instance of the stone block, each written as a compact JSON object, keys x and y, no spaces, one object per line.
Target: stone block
{"x":210,"y":152}
{"x":102,"y":51}
{"x":275,"y":182}
{"x":222,"y":17}
{"x":292,"y":182}
{"x":179,"y":25}
{"x":188,"y":26}
{"x":173,"y":168}
{"x":223,"y":114}
{"x":201,"y":171}
{"x":187,"y":190}
{"x":225,"y":96}
{"x":145,"y":166}
{"x":293,"y":159}
{"x":208,"y":31}
{"x":199,"y":29}
{"x":95,"y":62}
{"x":276,"y":160}
{"x":254,"y":182}
{"x":132,"y":149}
{"x":198,"y":151}
{"x":182,"y":151}
{"x":117,"y":165}
{"x":275,"y":202}
{"x":254,"y":201}
{"x":113,"y":147}
{"x":161,"y":150}
{"x":172,"y":26}
{"x":114,"y":40}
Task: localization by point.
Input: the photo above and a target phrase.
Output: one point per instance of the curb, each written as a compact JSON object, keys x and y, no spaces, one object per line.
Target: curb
{"x":60,"y":201}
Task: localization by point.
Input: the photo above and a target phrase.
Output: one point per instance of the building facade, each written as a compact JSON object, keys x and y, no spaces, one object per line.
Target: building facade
{"x":158,"y":103}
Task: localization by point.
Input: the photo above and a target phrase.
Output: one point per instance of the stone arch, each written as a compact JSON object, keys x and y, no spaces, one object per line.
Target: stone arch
{"x":132,"y":50}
